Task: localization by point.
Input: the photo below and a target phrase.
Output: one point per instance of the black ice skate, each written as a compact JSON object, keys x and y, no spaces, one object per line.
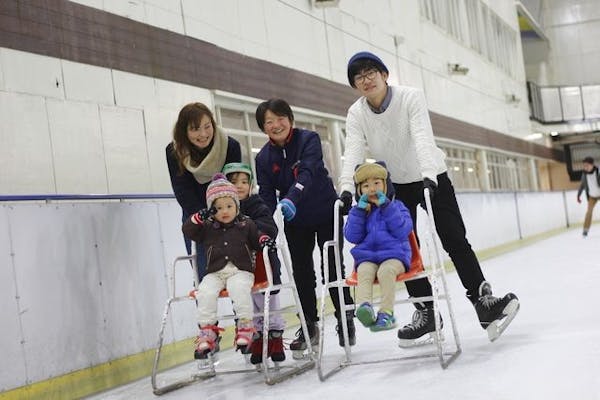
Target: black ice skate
{"x":494,"y":313}
{"x":351,"y":329}
{"x":298,"y":346}
{"x":421,"y":330}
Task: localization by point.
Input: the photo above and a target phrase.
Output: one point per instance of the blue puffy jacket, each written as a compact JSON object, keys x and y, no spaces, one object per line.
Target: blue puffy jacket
{"x":380,"y":234}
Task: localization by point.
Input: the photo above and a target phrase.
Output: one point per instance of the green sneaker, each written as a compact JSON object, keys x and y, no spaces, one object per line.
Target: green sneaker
{"x":366,"y":314}
{"x":384,"y":322}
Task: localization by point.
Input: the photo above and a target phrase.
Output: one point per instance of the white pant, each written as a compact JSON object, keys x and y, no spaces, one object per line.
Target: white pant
{"x":239,"y":285}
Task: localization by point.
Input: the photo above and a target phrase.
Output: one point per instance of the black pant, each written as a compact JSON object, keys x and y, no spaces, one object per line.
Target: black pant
{"x":301,"y":242}
{"x":450,"y":228}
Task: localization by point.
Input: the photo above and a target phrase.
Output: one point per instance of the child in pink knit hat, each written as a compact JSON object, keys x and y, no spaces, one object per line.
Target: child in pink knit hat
{"x":230,"y":240}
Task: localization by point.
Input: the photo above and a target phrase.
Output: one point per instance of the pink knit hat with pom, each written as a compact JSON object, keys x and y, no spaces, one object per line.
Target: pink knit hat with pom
{"x":221,"y":187}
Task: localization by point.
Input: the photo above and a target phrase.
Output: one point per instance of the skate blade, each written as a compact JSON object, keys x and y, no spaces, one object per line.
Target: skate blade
{"x":425,"y":340}
{"x":247,"y":358}
{"x":495,"y":328}
{"x":207,"y":363}
{"x":300,"y":355}
{"x":274,"y":366}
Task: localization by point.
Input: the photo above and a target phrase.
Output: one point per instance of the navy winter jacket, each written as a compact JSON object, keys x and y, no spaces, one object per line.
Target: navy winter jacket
{"x":190,"y":194}
{"x":297,"y":171}
{"x":381,"y":234}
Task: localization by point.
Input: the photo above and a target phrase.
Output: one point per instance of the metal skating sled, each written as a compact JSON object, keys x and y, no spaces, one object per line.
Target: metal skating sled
{"x":273,"y":372}
{"x":437,"y":278}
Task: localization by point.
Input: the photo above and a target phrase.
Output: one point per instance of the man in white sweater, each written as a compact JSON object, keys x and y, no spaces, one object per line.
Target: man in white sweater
{"x":393,"y":122}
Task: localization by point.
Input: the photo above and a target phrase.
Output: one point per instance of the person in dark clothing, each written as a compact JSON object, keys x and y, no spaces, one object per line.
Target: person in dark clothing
{"x":199,"y":150}
{"x":590,"y":184}
{"x":254,"y":207}
{"x":291,"y":163}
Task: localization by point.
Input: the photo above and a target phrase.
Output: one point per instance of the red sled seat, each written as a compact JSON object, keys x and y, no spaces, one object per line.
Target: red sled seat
{"x":416,"y":265}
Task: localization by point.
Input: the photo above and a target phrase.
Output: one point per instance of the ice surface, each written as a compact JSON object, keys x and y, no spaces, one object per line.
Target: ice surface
{"x":551,"y":350}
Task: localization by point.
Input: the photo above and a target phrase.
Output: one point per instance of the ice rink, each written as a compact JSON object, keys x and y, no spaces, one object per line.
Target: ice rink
{"x":551,"y":350}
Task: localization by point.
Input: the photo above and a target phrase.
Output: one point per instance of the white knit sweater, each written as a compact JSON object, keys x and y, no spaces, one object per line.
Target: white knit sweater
{"x":401,"y":136}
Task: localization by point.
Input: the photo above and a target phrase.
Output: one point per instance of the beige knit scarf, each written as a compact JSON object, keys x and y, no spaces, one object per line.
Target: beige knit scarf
{"x":214,"y":160}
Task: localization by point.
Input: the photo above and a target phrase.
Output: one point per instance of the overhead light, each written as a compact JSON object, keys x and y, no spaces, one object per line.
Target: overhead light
{"x":534,"y":136}
{"x":457,"y":69}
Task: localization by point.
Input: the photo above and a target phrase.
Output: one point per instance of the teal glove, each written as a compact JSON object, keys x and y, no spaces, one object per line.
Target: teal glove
{"x":363,"y":202}
{"x":288,"y":209}
{"x":381,"y":198}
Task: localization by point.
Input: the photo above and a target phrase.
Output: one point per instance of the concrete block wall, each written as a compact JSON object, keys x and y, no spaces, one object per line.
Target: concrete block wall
{"x":88,"y":129}
{"x":320,"y":41}
{"x":75,"y":128}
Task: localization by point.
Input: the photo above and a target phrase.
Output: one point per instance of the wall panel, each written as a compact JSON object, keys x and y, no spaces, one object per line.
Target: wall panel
{"x":57,"y":275}
{"x":133,"y":91}
{"x":11,"y":345}
{"x":32,"y":74}
{"x":159,"y":126}
{"x":541,"y":212}
{"x":489,"y":217}
{"x":130,"y":256}
{"x":125,"y":150}
{"x":88,"y":83}
{"x":77,"y":147}
{"x":26,"y":151}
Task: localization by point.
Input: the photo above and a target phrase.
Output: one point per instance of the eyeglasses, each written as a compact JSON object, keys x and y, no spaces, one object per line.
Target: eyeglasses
{"x":370,"y":75}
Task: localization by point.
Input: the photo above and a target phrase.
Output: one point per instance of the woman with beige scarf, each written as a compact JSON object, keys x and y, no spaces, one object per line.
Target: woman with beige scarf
{"x":199,"y":150}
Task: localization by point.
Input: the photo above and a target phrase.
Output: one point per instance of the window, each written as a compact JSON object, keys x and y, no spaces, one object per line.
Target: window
{"x":508,"y":172}
{"x":462,"y":167}
{"x":238,"y":120}
{"x":473,"y":23}
{"x":239,"y":124}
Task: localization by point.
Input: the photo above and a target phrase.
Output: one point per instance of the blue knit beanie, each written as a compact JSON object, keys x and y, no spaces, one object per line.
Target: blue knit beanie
{"x":368,"y":56}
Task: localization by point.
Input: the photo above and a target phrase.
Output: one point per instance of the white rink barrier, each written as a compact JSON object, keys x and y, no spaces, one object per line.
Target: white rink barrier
{"x":84,"y":282}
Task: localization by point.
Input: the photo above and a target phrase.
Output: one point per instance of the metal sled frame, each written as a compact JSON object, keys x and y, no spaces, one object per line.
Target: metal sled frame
{"x":435,"y":274}
{"x":272,"y":374}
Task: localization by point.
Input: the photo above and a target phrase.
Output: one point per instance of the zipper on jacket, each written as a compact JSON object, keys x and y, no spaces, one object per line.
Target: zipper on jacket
{"x":208,"y":254}
{"x":252,"y":264}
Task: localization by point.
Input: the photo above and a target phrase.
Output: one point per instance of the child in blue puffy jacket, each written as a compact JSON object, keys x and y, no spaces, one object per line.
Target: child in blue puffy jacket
{"x":379,"y":227}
